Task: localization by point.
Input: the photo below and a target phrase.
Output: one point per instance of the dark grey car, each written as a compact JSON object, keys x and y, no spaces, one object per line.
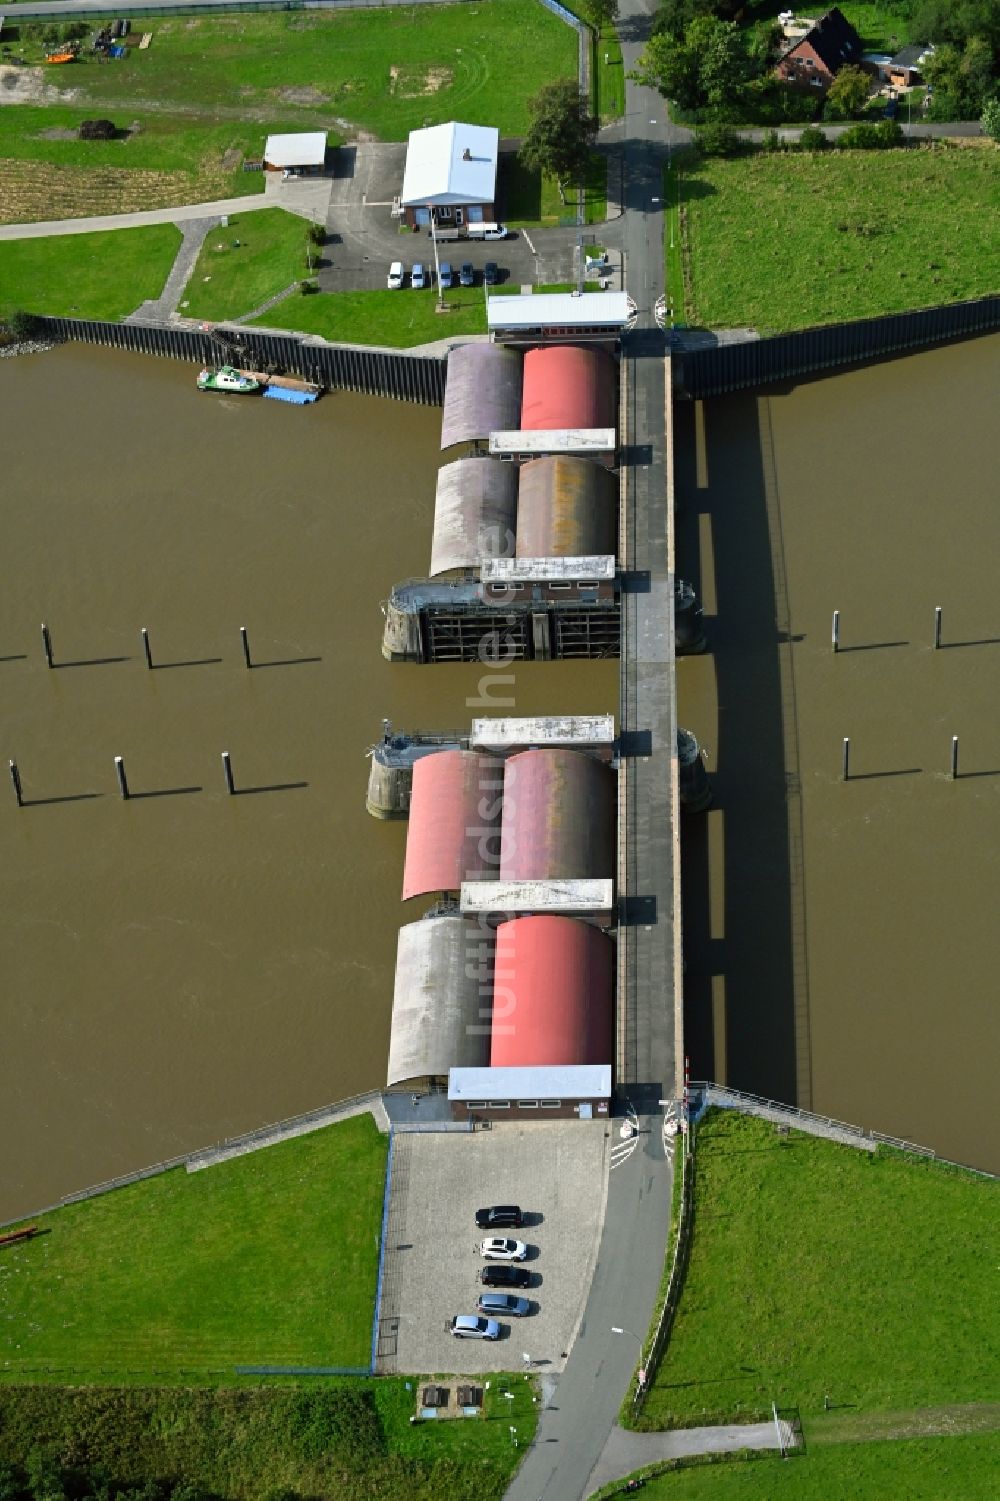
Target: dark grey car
{"x":502,"y":1305}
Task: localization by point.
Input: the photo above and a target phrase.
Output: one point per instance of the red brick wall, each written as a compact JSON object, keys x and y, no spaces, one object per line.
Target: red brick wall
{"x":794,"y":68}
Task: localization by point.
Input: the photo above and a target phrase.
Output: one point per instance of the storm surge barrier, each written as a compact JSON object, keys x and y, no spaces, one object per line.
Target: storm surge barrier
{"x":419,"y":378}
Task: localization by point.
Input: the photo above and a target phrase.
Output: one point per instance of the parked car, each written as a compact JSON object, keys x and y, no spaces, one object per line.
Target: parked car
{"x":444,"y":275}
{"x":467,"y":276}
{"x":417,"y":277}
{"x":396,"y":276}
{"x":491,"y":274}
{"x":487,"y":231}
{"x":503,"y":1305}
{"x":499,"y":1217}
{"x":467,"y":1326}
{"x":502,"y":1248}
{"x":502,"y":1274}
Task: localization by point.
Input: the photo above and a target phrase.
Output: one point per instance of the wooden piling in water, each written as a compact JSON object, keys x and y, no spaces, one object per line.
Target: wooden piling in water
{"x":122,"y":779}
{"x":954,"y":758}
{"x":145,"y":647}
{"x":847,"y":759}
{"x":15,"y":777}
{"x":47,"y":645}
{"x":228,"y":769}
{"x":246,"y":645}
{"x":937,"y":629}
{"x":836,"y":630}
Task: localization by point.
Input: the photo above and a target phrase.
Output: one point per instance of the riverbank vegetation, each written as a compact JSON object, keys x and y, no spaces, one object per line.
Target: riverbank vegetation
{"x":346,"y":1439}
{"x":270,"y":1258}
{"x":784,"y":240}
{"x":380,"y":73}
{"x":102,"y":275}
{"x":825,"y":1278}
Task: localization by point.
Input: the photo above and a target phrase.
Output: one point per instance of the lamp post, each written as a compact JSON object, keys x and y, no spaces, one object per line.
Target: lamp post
{"x":618,"y":1329}
{"x":437,"y":268}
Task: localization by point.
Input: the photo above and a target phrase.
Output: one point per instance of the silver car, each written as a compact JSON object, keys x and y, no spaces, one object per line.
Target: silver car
{"x":467,"y":1326}
{"x":503,"y":1305}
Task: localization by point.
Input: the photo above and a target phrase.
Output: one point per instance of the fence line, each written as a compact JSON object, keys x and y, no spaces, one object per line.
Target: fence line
{"x":50,"y":9}
{"x":682,"y":1245}
{"x":394,"y":373}
{"x":736,"y":366}
{"x":386,"y":1193}
{"x":803,"y":1120}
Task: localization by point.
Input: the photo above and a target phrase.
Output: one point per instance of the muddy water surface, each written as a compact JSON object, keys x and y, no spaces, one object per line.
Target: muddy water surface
{"x":842,"y":941}
{"x":188,"y":965}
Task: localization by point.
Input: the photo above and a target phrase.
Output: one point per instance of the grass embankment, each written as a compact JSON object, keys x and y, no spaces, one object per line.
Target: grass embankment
{"x":818,"y":1271}
{"x":267,"y":1259}
{"x":397,"y":320}
{"x":672,"y":245}
{"x":529,"y":198}
{"x":349,"y":1439}
{"x":609,"y":77}
{"x":105,"y":275}
{"x":385,"y":72}
{"x":914,"y":1469}
{"x":46,"y":172}
{"x":241,"y":266}
{"x":786,"y":240}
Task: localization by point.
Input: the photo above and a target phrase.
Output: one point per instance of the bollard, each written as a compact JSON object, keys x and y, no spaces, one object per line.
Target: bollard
{"x":15,"y":777}
{"x":145,"y":647}
{"x":954,"y":758}
{"x":246,"y":645}
{"x":122,"y":781}
{"x":228,"y":769}
{"x":937,"y":629}
{"x":847,"y":759}
{"x":47,"y":645}
{"x":836,"y":630}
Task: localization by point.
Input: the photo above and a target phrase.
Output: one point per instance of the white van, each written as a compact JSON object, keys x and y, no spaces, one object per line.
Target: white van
{"x":487,"y":231}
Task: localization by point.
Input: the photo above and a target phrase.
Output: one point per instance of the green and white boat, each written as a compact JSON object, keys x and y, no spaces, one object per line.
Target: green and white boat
{"x":226,"y":378}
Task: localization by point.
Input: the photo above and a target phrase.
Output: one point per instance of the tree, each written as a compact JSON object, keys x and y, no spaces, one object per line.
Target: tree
{"x":668,"y":65}
{"x":561,"y":133}
{"x":600,"y":13}
{"x":708,"y":68}
{"x":990,"y":119}
{"x":848,"y":93}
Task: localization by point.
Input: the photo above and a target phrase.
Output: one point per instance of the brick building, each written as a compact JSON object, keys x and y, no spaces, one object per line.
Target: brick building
{"x":814,"y":60}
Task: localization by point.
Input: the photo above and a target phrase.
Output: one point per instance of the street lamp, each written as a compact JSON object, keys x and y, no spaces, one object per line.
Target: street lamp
{"x":437,"y":268}
{"x":617,"y":1329}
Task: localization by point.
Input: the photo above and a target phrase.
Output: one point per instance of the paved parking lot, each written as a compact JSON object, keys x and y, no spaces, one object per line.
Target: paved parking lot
{"x":557,"y":1171}
{"x":363,"y":238}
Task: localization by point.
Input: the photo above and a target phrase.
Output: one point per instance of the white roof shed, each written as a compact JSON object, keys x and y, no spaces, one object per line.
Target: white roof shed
{"x":303,"y":149}
{"x":451,"y":163}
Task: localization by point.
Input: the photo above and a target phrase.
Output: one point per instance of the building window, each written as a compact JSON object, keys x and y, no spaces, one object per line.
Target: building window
{"x":527,"y":1104}
{"x":475,"y":1104}
{"x":551,"y":1104}
{"x":810,"y":63}
{"x":498,"y":1104}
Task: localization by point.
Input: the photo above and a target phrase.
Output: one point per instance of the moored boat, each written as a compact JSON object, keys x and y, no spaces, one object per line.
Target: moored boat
{"x":227,"y":378}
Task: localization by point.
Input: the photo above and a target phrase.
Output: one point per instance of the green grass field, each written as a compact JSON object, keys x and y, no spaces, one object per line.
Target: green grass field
{"x":398,"y":320}
{"x":238,"y":268}
{"x":672,"y":241}
{"x":346,"y":1439}
{"x":105,"y":275}
{"x":787,"y":240}
{"x":381,"y":71}
{"x":609,"y":77}
{"x":530,"y":199}
{"x":819,"y":1271}
{"x":270,"y":1258}
{"x":931,"y":1469}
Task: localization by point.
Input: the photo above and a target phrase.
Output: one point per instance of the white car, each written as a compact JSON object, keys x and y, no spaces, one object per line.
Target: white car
{"x":396,"y":276}
{"x":467,"y":1326}
{"x":503,"y":1248}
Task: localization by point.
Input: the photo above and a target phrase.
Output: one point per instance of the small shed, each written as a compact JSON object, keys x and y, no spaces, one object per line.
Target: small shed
{"x":532,"y":1093}
{"x":304,"y":152}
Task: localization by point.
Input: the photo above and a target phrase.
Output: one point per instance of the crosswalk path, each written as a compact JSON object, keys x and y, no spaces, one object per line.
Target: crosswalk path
{"x":628,"y":1138}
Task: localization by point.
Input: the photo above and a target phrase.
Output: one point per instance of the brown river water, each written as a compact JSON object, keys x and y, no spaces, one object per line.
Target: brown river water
{"x":842,"y":944}
{"x":184,"y":967}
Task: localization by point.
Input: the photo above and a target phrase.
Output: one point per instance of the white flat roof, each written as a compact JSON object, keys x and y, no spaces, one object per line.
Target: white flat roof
{"x":576,"y":1081}
{"x":451,"y":163}
{"x":537,"y":896}
{"x":555,"y":729}
{"x":305,"y":149}
{"x":555,"y":440}
{"x":560,"y":310}
{"x":538,"y":570}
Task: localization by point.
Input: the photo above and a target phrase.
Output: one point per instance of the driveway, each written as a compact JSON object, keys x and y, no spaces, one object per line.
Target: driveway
{"x":557,"y":1171}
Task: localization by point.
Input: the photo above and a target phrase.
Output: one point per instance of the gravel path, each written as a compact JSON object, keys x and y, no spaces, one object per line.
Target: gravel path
{"x":160,"y":309}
